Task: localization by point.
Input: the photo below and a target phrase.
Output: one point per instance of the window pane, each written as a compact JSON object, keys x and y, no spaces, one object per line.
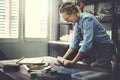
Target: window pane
{"x":36,"y":18}
{"x":9,"y":19}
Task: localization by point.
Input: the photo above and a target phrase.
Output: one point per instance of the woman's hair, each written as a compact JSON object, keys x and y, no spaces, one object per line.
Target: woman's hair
{"x":69,"y":8}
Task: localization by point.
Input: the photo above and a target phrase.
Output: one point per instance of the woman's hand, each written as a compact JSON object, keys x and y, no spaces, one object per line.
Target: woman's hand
{"x":60,"y":59}
{"x":67,"y":62}
{"x":63,"y":61}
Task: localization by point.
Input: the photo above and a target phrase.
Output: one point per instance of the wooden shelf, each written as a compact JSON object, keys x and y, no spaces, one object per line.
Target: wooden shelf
{"x":87,"y":2}
{"x":60,"y":42}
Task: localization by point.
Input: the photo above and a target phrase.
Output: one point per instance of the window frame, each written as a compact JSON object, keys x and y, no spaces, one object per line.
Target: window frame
{"x":21,"y":28}
{"x":2,"y":40}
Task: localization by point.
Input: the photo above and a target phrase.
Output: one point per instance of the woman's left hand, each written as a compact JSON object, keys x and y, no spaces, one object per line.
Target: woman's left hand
{"x":67,"y":62}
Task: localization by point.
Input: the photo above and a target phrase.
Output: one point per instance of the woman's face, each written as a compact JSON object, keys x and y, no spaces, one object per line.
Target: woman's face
{"x":73,"y":18}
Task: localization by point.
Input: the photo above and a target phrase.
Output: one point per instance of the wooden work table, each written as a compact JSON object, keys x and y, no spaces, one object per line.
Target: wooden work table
{"x":23,"y":74}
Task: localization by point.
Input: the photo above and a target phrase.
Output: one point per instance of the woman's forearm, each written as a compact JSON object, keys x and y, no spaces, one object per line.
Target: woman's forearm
{"x":77,"y":57}
{"x":69,"y":51}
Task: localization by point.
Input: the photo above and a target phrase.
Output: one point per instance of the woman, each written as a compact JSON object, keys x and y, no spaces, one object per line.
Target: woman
{"x":97,"y":46}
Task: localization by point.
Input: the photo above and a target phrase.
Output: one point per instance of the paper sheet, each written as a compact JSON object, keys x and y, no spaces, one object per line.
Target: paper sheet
{"x":31,"y":61}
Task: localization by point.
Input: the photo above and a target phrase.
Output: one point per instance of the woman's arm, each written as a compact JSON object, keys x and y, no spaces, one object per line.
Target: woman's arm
{"x":69,"y":51}
{"x":66,"y":62}
{"x":61,"y":59}
{"x":76,"y":58}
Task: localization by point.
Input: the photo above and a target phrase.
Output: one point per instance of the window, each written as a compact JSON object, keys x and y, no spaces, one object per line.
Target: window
{"x":9,"y":18}
{"x":36,"y":18}
{"x":34,"y":13}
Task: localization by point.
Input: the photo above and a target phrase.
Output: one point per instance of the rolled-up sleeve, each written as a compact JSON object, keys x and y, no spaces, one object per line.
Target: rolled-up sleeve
{"x":88,"y":34}
{"x":76,"y":39}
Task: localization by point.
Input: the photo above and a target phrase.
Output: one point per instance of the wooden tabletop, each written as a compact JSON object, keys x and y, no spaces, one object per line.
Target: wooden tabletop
{"x":23,"y":73}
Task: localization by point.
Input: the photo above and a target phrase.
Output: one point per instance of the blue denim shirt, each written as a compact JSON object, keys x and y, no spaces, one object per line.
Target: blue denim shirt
{"x":92,"y":32}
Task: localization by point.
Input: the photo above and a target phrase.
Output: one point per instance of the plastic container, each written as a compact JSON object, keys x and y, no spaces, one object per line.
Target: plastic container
{"x":90,"y":75}
{"x":80,"y":75}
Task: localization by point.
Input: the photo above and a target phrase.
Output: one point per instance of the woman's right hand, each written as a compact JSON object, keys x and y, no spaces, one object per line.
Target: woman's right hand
{"x":60,"y":59}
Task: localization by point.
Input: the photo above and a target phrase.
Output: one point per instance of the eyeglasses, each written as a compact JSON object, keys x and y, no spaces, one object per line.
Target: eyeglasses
{"x":67,"y":18}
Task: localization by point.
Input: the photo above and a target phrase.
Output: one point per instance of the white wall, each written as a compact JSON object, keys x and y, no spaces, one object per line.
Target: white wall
{"x":54,"y":19}
{"x":29,"y":49}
